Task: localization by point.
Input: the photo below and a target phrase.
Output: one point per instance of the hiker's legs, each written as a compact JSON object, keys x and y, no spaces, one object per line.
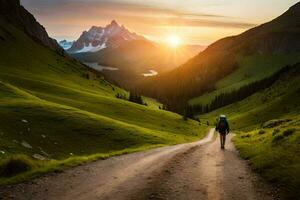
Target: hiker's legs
{"x":221,"y":140}
{"x":224,"y":140}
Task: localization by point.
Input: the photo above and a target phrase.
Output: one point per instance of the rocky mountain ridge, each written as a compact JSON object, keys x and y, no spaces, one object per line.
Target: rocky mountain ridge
{"x":12,"y":11}
{"x":98,"y":38}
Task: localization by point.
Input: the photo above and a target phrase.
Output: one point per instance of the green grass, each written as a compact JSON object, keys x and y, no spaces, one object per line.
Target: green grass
{"x":281,"y":100}
{"x":35,"y":168}
{"x":251,"y":68}
{"x":55,"y":107}
{"x":267,"y":125}
{"x":275,"y":155}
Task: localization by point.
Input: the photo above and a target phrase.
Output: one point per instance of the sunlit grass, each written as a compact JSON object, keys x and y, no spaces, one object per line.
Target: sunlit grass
{"x":273,"y":152}
{"x":55,"y":108}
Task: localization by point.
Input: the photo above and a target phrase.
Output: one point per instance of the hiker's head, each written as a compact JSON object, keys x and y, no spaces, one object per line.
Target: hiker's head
{"x":222,"y":117}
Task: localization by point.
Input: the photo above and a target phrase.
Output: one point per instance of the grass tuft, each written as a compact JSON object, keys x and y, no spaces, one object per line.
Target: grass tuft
{"x":15,"y":165}
{"x":289,"y":132}
{"x":278,"y":138}
{"x":275,"y":131}
{"x":275,"y":154}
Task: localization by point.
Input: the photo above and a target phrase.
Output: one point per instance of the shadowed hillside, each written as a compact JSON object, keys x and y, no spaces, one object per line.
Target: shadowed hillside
{"x":232,"y":62}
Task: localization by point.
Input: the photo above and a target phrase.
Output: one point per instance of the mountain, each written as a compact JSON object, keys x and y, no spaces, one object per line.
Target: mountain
{"x":97,"y":38}
{"x":232,"y":62}
{"x":65,"y":44}
{"x":26,"y":21}
{"x":124,"y":57}
{"x":279,"y":100}
{"x":138,"y":57}
{"x":57,"y":110}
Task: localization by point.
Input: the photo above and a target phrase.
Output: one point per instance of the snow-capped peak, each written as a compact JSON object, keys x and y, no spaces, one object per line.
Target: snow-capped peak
{"x":114,"y":23}
{"x":98,"y":38}
{"x":66,"y":44}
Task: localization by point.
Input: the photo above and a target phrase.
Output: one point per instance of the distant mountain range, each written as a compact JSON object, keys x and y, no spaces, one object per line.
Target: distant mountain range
{"x":97,"y":38}
{"x":232,"y":62}
{"x":115,"y":47}
{"x":65,"y":44}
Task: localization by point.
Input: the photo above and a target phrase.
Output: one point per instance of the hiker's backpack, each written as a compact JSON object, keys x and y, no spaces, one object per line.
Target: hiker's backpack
{"x":222,"y":126}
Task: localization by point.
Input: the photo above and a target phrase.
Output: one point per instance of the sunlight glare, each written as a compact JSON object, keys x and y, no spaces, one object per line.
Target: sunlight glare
{"x":174,"y":41}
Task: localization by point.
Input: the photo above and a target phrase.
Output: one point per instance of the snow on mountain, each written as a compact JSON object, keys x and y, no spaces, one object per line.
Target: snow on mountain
{"x":98,"y":38}
{"x":65,"y":44}
{"x":91,"y":48}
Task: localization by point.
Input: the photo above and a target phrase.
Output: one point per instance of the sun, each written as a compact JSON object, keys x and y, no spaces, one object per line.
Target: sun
{"x":174,"y":41}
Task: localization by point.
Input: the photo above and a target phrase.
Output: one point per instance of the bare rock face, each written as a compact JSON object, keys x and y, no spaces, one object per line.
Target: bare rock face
{"x":13,"y":12}
{"x":98,"y":38}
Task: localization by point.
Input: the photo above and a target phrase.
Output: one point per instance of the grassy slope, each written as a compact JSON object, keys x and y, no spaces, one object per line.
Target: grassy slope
{"x":259,"y":52}
{"x":280,"y":100}
{"x":251,"y":69}
{"x":271,"y":151}
{"x":48,"y":102}
{"x":274,"y":152}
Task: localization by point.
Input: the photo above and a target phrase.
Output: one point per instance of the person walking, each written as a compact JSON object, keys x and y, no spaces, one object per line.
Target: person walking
{"x":223,"y":128}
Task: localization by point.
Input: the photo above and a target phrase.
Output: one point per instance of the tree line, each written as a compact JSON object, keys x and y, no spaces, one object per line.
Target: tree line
{"x":236,"y":95}
{"x":133,"y":97}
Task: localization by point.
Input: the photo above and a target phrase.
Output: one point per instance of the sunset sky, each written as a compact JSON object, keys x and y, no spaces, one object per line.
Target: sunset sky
{"x":194,"y":21}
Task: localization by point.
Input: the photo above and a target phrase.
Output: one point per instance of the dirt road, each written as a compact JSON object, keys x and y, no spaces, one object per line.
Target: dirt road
{"x":198,"y":170}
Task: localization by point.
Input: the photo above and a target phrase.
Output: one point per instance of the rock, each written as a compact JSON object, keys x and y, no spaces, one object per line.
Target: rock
{"x":39,"y":157}
{"x":26,"y":145}
{"x":44,"y":153}
{"x":275,"y":122}
{"x":2,"y":152}
{"x":24,"y":121}
{"x":43,"y":136}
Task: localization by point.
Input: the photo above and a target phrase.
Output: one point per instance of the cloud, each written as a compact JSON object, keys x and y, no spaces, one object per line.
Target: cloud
{"x":68,"y":18}
{"x":91,"y":10}
{"x":52,"y":6}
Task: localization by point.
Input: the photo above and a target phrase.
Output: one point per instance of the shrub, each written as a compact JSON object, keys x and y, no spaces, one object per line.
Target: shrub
{"x":136,"y":98}
{"x":275,"y":131}
{"x":289,"y":132}
{"x":185,"y":118}
{"x":275,"y":122}
{"x":15,"y":165}
{"x":246,"y":136}
{"x":278,"y":138}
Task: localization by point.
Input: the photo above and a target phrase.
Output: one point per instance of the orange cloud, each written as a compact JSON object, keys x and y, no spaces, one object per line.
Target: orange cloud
{"x":67,"y":18}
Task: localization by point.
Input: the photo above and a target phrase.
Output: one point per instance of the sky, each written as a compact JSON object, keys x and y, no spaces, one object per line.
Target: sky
{"x":194,"y":21}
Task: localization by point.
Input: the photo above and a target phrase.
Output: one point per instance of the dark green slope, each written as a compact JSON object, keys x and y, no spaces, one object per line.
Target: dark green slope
{"x":17,"y":15}
{"x":134,"y":58}
{"x":232,"y":62}
{"x":280,"y":100}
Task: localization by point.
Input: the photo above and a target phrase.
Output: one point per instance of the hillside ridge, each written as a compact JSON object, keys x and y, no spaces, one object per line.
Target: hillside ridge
{"x":12,"y":11}
{"x":278,"y":38}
